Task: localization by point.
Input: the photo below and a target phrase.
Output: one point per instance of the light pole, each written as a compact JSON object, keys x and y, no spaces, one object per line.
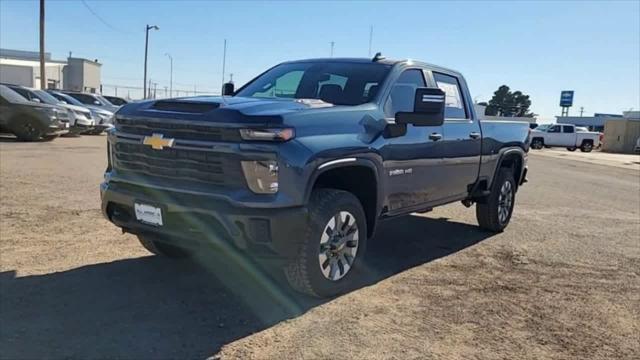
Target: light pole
{"x":170,"y":74}
{"x":146,"y":50}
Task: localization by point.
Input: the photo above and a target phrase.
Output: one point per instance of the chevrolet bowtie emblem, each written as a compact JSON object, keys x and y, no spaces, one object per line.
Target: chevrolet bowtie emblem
{"x":158,"y":142}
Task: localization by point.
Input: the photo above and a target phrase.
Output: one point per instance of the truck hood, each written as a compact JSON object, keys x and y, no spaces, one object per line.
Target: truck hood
{"x":230,"y":110}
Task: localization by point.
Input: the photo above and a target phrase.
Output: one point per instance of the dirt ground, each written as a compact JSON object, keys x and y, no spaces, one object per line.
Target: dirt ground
{"x":562,"y":282}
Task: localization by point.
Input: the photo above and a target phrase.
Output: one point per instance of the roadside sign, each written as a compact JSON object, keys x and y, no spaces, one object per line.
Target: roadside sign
{"x":566,"y":98}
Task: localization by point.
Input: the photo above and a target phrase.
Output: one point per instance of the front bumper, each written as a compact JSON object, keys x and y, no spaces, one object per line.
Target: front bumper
{"x":190,"y":220}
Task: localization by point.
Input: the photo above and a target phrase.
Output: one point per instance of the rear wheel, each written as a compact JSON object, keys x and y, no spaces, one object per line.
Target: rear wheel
{"x":157,"y":247}
{"x":537,"y":144}
{"x":494,"y":211}
{"x":587,"y":146}
{"x":27,"y":130}
{"x":329,"y":259}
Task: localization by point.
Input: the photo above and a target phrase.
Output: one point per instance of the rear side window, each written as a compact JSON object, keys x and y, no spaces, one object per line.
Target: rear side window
{"x":85,"y":99}
{"x":567,"y":129}
{"x":403,"y":92}
{"x":454,"y":104}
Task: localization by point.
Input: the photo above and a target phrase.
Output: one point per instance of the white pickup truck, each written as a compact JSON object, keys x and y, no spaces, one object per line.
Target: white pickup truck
{"x":564,"y":135}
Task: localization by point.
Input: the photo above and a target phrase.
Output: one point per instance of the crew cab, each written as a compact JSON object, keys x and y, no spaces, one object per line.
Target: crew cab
{"x":302,"y":163}
{"x":564,"y":135}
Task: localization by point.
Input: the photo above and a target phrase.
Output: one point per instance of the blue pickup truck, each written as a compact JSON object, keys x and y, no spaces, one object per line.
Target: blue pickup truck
{"x":301,"y":163}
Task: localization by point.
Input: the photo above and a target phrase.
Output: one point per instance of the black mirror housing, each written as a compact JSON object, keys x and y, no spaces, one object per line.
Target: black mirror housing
{"x":228,"y":89}
{"x":428,"y":108}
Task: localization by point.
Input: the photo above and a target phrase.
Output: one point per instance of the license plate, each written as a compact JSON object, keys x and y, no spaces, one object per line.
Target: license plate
{"x":148,"y":214}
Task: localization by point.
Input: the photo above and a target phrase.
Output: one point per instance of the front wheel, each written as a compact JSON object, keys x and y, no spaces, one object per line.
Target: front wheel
{"x":27,"y":130}
{"x":494,"y":211}
{"x":537,"y":144}
{"x":329,"y":260}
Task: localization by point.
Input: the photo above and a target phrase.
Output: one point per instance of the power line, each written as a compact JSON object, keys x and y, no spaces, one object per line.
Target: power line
{"x":100,"y":18}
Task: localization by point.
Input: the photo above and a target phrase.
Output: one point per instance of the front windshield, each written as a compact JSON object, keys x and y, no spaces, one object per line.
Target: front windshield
{"x":543,"y":127}
{"x":103,"y":100}
{"x":46,"y":98}
{"x":339,"y":83}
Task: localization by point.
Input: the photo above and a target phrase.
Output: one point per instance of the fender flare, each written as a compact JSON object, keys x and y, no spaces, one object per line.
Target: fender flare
{"x":509,"y":151}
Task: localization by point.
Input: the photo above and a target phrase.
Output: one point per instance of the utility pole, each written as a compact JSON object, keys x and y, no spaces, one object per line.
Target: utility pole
{"x":43,"y":79}
{"x":581,"y":110}
{"x":370,"y":39}
{"x":170,"y":75}
{"x":332,"y":44}
{"x":146,"y":50}
{"x":224,"y":60}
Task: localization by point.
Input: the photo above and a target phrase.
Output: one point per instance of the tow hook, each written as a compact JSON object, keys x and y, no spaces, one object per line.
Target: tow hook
{"x":467,"y":202}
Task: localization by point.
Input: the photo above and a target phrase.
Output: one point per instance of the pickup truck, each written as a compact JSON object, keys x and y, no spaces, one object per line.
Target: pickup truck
{"x":564,"y":135}
{"x":302,"y":163}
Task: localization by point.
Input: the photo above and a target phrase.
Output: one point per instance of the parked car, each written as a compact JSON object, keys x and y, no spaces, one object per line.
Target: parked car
{"x":302,"y":163}
{"x":80,"y":119}
{"x":564,"y":135}
{"x":92,"y":99}
{"x":103,"y":118}
{"x":30,"y":121}
{"x":637,"y":148}
{"x":117,"y":101}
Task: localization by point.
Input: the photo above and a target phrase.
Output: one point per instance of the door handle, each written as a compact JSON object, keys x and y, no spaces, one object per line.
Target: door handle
{"x":474,"y":135}
{"x":435,"y":136}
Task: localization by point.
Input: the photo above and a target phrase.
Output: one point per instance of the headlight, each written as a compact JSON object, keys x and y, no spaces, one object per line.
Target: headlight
{"x":267,"y":134}
{"x":262,"y":176}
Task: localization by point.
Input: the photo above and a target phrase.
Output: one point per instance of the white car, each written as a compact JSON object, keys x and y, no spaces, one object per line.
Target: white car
{"x":564,"y":135}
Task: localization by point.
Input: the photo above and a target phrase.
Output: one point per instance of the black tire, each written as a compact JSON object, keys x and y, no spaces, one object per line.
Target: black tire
{"x":49,"y":137}
{"x":537,"y":144}
{"x":488,"y":210}
{"x":586,"y":146}
{"x":571,"y":149}
{"x":27,"y":129}
{"x":162,"y":249}
{"x":304,"y":272}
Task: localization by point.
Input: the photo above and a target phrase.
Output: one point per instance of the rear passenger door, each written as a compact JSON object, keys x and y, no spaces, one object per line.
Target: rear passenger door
{"x":462,"y":138}
{"x":568,"y":135}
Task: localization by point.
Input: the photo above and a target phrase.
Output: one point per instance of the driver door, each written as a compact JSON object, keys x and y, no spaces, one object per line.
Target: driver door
{"x":411,"y":161}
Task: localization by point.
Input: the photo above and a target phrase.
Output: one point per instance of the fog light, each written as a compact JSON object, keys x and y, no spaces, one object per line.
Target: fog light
{"x":262,"y":176}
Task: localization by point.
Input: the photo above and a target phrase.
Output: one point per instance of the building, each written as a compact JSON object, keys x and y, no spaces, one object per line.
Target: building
{"x":481,"y":109}
{"x":594,"y":123}
{"x":622,"y":134}
{"x":23,"y":68}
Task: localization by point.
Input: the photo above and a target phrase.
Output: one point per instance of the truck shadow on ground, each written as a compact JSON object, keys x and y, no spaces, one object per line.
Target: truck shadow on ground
{"x":151,"y":307}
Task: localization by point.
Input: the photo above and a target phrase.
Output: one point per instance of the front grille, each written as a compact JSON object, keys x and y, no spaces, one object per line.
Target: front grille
{"x":218,"y":169}
{"x":177,"y":131}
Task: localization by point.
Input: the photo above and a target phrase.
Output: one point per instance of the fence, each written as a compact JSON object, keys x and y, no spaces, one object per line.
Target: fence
{"x":154,"y":91}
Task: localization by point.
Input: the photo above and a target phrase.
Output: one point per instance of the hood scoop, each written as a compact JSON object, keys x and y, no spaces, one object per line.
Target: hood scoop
{"x":190,"y":107}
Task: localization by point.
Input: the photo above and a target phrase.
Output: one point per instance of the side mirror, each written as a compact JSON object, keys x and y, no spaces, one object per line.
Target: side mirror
{"x":35,"y":99}
{"x":428,"y":108}
{"x":96,"y":102}
{"x":228,"y":89}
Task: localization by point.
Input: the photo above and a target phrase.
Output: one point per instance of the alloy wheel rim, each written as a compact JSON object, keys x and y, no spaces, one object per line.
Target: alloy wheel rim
{"x":505,"y":201}
{"x":338,"y":246}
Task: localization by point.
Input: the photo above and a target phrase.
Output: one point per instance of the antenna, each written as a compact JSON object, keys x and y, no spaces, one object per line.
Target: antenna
{"x":370,"y":39}
{"x":224,"y":63}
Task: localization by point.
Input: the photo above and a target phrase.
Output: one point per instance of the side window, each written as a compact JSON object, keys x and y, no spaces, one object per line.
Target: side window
{"x":403,"y":92}
{"x":554,"y":129}
{"x":567,"y":129}
{"x":454,"y":105}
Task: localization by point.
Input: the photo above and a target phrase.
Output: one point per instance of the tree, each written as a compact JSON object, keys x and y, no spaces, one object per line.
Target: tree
{"x":507,"y":103}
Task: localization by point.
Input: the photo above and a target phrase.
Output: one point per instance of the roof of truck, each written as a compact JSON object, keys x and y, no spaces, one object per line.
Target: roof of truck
{"x":381,"y":61}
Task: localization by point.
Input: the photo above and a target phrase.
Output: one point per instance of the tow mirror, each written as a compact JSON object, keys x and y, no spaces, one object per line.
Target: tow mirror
{"x":228,"y":89}
{"x":428,"y":108}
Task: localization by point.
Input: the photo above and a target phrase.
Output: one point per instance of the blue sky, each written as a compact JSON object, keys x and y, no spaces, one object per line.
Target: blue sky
{"x":539,"y":47}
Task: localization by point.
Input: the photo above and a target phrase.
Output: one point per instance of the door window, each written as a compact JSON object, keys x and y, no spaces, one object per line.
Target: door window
{"x":554,"y":129}
{"x":454,"y":104}
{"x":567,"y":129}
{"x":403,"y":92}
